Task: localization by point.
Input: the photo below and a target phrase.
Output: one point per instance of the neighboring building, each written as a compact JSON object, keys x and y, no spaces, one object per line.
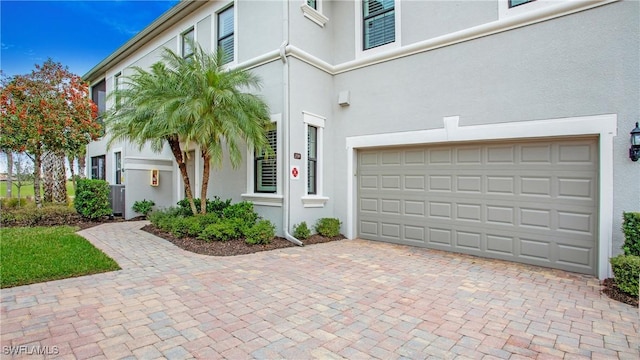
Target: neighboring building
{"x":494,"y":128}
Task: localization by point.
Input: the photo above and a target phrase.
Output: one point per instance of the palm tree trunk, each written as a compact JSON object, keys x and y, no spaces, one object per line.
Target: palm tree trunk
{"x":205,"y":182}
{"x":48,"y":159}
{"x":82,"y":164}
{"x":59,"y":179}
{"x":174,"y":144}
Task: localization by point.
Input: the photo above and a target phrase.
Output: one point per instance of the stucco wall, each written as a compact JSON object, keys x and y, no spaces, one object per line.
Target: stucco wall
{"x":562,"y":68}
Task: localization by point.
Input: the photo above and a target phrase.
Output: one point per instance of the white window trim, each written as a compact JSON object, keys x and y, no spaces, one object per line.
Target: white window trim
{"x":266,"y":199}
{"x":605,"y":126}
{"x":360,"y":52}
{"x":215,"y":24}
{"x":314,"y":15}
{"x":181,"y":39}
{"x":315,"y":200}
{"x":504,"y":11}
{"x":113,"y":168}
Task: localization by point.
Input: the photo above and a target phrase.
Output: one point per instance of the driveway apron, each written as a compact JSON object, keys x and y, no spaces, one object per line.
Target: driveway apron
{"x":350,"y":299}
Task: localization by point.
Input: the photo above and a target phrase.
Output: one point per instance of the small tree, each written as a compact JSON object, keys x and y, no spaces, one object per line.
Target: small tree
{"x":48,"y":110}
{"x":22,"y":172}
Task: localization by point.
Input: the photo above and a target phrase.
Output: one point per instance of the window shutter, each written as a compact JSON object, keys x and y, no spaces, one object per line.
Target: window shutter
{"x":379,"y":23}
{"x":266,"y":168}
{"x":225,"y":34}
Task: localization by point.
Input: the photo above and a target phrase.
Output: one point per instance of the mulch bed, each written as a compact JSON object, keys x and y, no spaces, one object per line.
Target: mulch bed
{"x":611,"y":290}
{"x":231,"y":247}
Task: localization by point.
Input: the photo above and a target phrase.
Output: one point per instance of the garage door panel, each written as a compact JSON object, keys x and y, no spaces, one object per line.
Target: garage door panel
{"x":534,"y":202}
{"x":536,"y":249}
{"x":414,"y":208}
{"x":471,"y":241}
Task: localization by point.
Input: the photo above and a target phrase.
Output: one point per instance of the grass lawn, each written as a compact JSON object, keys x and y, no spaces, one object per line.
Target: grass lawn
{"x":27,"y":190}
{"x":37,"y":254}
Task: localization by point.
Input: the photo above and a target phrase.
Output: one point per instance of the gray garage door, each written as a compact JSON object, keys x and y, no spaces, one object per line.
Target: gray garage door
{"x":533,"y":202}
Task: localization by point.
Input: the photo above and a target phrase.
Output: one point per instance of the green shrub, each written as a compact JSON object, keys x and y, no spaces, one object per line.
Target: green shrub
{"x":207,"y":219}
{"x":92,"y":198}
{"x":260,"y":233}
{"x":301,"y":231}
{"x":48,"y":215}
{"x":217,"y":206}
{"x":12,"y":203}
{"x":242,"y":210}
{"x":631,"y":230}
{"x":163,"y":219}
{"x":224,"y":230}
{"x":626,"y":269}
{"x":328,"y":227}
{"x":214,"y":205}
{"x":143,"y":207}
{"x":185,"y":226}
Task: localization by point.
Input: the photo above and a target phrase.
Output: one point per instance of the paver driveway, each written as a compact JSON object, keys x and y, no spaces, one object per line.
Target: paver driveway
{"x":345,"y":299}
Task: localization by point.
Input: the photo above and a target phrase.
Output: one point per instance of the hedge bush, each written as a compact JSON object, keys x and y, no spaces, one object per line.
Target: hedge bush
{"x":214,"y":205}
{"x":45,"y":216}
{"x":92,"y":198}
{"x":224,"y":230}
{"x":631,"y":230}
{"x":301,"y":231}
{"x":12,"y":203}
{"x":328,"y":227}
{"x":261,"y":233}
{"x":626,"y":269}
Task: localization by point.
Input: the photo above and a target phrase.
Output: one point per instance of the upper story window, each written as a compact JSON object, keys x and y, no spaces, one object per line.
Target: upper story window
{"x":99,"y":96}
{"x":514,"y":3}
{"x":187,"y":40}
{"x":225,"y":33}
{"x":313,"y":4}
{"x":266,"y":168}
{"x":117,"y":82}
{"x":379,"y":23}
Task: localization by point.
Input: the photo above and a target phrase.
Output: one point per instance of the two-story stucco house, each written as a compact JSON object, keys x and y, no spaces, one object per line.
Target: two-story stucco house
{"x":498,"y":128}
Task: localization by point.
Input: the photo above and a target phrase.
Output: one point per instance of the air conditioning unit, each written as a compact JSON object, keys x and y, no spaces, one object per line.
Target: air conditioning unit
{"x":116,"y":198}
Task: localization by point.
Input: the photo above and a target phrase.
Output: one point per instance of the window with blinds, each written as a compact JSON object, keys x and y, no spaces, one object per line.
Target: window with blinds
{"x":225,"y":34}
{"x":312,"y":160}
{"x":266,"y":172}
{"x":118,"y":167}
{"x":379,"y":22}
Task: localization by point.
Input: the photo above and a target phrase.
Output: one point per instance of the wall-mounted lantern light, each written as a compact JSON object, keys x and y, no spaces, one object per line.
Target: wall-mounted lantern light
{"x":634,"y":150}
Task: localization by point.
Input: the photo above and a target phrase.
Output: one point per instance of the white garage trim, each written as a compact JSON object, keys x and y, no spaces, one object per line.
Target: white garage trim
{"x":605,"y":126}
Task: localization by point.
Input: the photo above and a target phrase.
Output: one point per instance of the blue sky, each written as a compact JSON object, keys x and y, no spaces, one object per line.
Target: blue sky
{"x":78,"y":34}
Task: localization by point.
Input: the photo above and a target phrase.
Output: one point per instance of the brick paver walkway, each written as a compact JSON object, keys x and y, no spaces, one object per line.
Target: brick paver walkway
{"x":345,"y":299}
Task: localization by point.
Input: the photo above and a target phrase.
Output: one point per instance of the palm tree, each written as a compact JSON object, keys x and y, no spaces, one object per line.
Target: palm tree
{"x":192,"y":100}
{"x":218,"y":110}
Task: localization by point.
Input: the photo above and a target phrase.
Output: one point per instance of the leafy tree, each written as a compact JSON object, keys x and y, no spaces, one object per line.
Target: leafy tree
{"x":195,"y":100}
{"x":46,"y":110}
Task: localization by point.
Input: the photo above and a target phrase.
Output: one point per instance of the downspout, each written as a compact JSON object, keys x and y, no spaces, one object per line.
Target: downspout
{"x":285,"y":127}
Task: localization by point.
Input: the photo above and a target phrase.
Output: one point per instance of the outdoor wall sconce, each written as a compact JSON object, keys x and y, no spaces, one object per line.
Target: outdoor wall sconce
{"x":634,"y":150}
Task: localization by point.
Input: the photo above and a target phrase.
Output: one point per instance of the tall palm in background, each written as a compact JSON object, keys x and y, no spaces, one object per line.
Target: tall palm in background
{"x":194,"y":100}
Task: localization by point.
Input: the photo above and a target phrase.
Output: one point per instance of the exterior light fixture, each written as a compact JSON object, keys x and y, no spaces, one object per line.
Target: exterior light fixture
{"x":634,"y":150}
